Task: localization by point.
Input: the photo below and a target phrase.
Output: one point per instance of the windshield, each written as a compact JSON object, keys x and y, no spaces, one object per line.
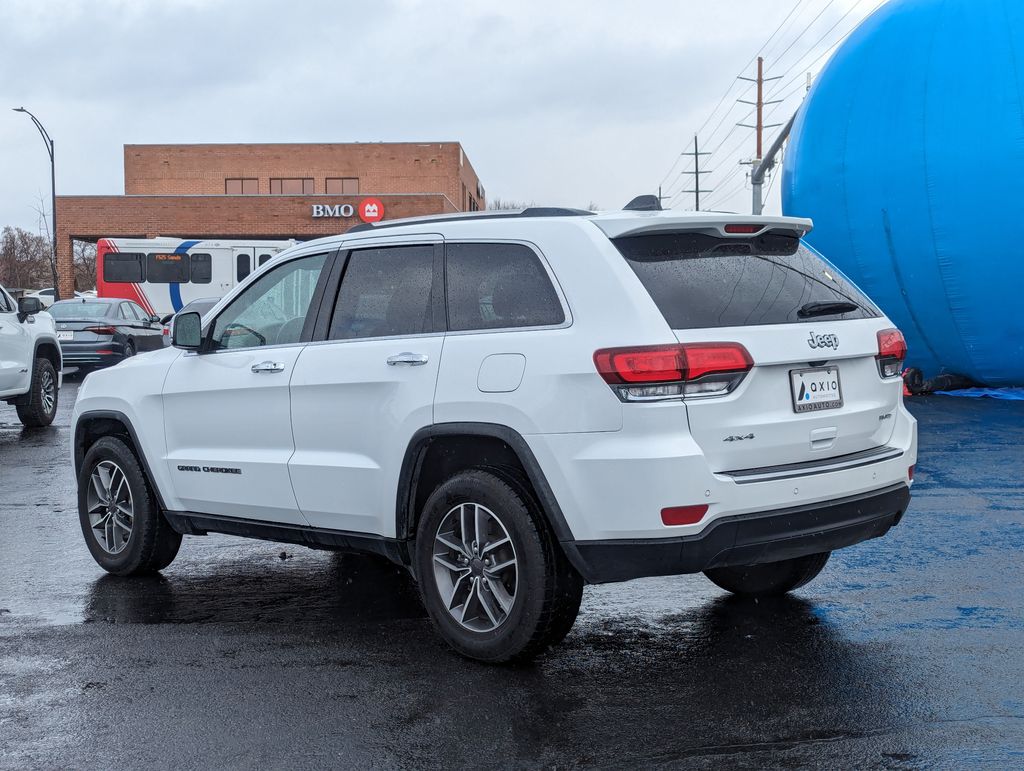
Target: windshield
{"x":79,"y":310}
{"x":700,"y":281}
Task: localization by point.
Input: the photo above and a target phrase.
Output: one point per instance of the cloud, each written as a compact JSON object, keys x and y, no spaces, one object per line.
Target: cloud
{"x":555,"y":102}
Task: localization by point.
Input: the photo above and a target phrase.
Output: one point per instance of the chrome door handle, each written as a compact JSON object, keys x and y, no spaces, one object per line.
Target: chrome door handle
{"x":268,"y":366}
{"x":411,"y":359}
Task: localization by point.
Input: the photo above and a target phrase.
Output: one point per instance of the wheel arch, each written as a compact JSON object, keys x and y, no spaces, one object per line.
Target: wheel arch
{"x":434,"y":452}
{"x":93,"y":425}
{"x":49,"y":348}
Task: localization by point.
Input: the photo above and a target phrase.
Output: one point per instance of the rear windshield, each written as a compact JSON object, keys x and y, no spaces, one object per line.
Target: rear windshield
{"x":77,"y":310}
{"x":700,"y":281}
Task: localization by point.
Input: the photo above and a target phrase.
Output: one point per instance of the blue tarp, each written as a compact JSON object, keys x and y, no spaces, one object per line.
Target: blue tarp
{"x":1011,"y":394}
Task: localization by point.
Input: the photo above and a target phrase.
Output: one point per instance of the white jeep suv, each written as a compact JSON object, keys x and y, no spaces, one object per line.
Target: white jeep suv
{"x":30,"y":360}
{"x":513,"y":405}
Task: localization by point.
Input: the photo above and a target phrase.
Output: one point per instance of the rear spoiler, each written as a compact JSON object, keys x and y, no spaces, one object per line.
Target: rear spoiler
{"x":615,"y":225}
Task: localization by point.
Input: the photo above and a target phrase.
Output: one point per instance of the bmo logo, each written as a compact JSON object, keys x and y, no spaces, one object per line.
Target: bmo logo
{"x":371,"y":210}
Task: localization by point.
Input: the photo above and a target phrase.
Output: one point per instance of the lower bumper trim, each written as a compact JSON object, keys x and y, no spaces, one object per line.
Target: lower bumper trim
{"x":745,"y":539}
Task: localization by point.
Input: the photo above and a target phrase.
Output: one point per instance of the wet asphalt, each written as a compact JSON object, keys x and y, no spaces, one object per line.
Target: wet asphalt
{"x":907,"y":652}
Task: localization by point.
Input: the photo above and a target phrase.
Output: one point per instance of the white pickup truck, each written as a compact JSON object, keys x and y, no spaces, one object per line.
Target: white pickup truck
{"x":30,"y":360}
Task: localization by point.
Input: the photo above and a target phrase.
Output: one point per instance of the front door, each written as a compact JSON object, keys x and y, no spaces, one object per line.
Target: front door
{"x":360,"y":394}
{"x":226,"y":410}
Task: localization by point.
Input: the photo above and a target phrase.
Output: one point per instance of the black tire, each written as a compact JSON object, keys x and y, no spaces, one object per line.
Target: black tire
{"x":129,"y":349}
{"x":152,"y":544}
{"x":771,"y":579}
{"x":36,"y":414}
{"x":548,"y":589}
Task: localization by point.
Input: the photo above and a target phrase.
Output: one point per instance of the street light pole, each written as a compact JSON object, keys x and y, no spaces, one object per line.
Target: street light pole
{"x":53,"y":198}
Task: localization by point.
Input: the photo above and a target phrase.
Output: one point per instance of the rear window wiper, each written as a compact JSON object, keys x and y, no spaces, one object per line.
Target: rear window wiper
{"x":826,"y":309}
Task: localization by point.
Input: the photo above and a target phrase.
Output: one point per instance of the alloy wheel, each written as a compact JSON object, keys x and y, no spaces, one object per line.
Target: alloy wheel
{"x":475,"y":567}
{"x":48,"y":391}
{"x":110,"y":506}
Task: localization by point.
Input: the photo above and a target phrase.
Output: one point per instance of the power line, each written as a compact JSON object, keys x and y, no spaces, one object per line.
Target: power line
{"x":810,"y":50}
{"x":828,"y":5}
{"x":732,"y":85}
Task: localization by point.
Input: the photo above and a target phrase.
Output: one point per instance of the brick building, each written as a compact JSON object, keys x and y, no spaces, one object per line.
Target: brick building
{"x":263,"y":191}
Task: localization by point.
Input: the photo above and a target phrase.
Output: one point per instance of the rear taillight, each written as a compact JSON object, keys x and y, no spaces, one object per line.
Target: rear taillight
{"x":892,"y":350}
{"x":100,"y":330}
{"x":655,"y":372}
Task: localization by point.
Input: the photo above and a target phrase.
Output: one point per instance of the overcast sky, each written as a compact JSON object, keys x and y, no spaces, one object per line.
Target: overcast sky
{"x":561,"y":103}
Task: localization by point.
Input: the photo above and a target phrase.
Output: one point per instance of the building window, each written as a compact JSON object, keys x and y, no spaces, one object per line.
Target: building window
{"x":241,"y":187}
{"x":294,"y":186}
{"x":342,"y":186}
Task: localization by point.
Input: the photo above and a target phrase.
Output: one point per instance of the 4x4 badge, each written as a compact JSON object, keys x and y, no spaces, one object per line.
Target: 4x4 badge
{"x":823,"y":341}
{"x":738,"y":438}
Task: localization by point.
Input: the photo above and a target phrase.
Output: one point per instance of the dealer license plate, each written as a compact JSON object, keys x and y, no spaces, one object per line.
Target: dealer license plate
{"x":816,"y":389}
{"x":65,"y":335}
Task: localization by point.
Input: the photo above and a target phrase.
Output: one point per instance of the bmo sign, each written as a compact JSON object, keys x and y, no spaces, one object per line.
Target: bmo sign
{"x":369,"y":210}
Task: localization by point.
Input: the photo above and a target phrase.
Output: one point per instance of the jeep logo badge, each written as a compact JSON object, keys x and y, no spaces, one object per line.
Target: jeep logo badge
{"x":823,"y":341}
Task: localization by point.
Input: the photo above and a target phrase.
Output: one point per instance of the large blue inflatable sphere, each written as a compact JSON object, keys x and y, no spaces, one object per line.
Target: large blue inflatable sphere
{"x":908,"y":154}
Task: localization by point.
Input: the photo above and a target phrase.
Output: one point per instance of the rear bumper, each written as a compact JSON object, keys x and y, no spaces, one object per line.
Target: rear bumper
{"x":745,"y":539}
{"x":77,"y":354}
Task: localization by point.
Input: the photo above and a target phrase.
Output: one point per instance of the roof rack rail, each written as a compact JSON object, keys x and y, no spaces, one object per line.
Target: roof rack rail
{"x":530,"y":211}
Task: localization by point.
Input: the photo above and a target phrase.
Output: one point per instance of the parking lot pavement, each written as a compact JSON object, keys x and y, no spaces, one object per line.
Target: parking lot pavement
{"x":906,"y":652}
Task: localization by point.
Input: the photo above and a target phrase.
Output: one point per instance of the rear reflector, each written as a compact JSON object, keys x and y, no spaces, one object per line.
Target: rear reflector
{"x":684,"y":515}
{"x":743,"y":229}
{"x":910,"y":473}
{"x":657,"y":372}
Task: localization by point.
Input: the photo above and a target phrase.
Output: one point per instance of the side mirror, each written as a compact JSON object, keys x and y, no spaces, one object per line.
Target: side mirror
{"x":188,"y":331}
{"x":29,"y":306}
{"x":155,"y":319}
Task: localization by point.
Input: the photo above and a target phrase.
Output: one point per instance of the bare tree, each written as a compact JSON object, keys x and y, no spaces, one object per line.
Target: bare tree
{"x":44,"y":231}
{"x":24,"y":259}
{"x":85,"y":265}
{"x":503,"y":204}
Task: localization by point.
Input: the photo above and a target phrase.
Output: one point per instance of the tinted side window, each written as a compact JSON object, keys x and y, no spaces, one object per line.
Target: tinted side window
{"x":167,"y":268}
{"x":5,"y":306}
{"x":201,"y":269}
{"x":124,"y":311}
{"x":243,"y":264}
{"x":498,"y":286}
{"x":385,"y":292}
{"x":124,"y":267}
{"x":139,"y":311}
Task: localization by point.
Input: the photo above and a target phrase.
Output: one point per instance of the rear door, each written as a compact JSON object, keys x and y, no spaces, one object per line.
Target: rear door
{"x":366,"y":385}
{"x":815,"y":390}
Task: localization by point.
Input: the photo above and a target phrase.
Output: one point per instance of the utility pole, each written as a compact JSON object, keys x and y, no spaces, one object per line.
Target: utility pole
{"x":759,"y":128}
{"x":696,"y":174}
